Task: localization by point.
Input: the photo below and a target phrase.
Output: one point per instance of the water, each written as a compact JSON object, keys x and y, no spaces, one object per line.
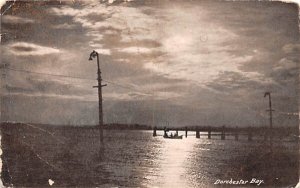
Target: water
{"x":75,"y":157}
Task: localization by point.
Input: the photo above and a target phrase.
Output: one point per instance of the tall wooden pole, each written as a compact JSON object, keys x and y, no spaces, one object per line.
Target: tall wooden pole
{"x":100,"y":99}
{"x":99,"y":86}
{"x":271,"y":118}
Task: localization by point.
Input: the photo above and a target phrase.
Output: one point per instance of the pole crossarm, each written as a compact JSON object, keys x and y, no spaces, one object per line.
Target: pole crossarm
{"x":101,"y":86}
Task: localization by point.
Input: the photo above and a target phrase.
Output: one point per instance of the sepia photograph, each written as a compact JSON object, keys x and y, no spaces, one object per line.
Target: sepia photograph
{"x":149,"y":93}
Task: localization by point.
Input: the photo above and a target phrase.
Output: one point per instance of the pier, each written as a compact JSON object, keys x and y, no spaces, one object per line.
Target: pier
{"x":250,"y":133}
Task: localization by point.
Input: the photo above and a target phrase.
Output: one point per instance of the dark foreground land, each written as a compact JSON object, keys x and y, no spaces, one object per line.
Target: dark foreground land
{"x":74,"y":156}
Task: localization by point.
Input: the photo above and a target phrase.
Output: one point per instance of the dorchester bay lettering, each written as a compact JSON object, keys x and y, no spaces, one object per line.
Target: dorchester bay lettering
{"x":239,"y":182}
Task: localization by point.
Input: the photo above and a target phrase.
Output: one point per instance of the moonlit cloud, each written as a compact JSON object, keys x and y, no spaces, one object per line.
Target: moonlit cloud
{"x":132,"y":22}
{"x":55,"y":96}
{"x":103,"y":51}
{"x":137,"y":96}
{"x":200,"y":68}
{"x":64,"y":26}
{"x":30,"y":49}
{"x":286,"y":64}
{"x":8,"y":19}
{"x":136,"y":50}
{"x":291,"y":48}
{"x":123,"y":60}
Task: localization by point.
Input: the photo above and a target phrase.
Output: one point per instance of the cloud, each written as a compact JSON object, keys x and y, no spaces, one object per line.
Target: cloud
{"x":118,"y":1}
{"x":90,"y":98}
{"x":137,"y":96}
{"x":291,"y":49}
{"x":286,"y":64}
{"x":95,"y":45}
{"x":99,"y":20}
{"x":290,"y":1}
{"x":125,"y":96}
{"x":9,"y":19}
{"x":136,"y":50}
{"x":65,"y":11}
{"x":96,"y":36}
{"x":42,"y":84}
{"x":123,"y":60}
{"x":30,"y":49}
{"x":201,"y":68}
{"x":103,"y":51}
{"x":2,"y":2}
{"x":64,"y":26}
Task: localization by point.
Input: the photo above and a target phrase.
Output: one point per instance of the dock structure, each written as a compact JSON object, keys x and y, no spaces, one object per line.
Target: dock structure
{"x":235,"y":133}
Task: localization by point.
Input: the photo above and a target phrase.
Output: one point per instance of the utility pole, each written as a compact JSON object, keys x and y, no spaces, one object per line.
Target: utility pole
{"x":99,"y":86}
{"x":271,"y":121}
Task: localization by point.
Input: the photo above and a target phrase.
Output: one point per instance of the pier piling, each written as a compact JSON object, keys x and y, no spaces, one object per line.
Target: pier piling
{"x":236,"y":135}
{"x":186,"y":132}
{"x":223,"y":133}
{"x":223,"y":136}
{"x":154,"y":132}
{"x":197,"y":134}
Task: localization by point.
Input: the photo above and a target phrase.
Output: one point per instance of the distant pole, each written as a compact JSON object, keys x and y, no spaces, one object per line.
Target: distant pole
{"x":99,"y":86}
{"x":271,"y":121}
{"x":270,"y":108}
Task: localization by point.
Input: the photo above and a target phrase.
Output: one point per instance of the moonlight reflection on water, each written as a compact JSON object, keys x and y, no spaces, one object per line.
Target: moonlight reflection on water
{"x":173,"y":162}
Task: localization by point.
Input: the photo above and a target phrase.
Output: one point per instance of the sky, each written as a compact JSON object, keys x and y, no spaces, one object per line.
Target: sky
{"x":164,"y":62}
